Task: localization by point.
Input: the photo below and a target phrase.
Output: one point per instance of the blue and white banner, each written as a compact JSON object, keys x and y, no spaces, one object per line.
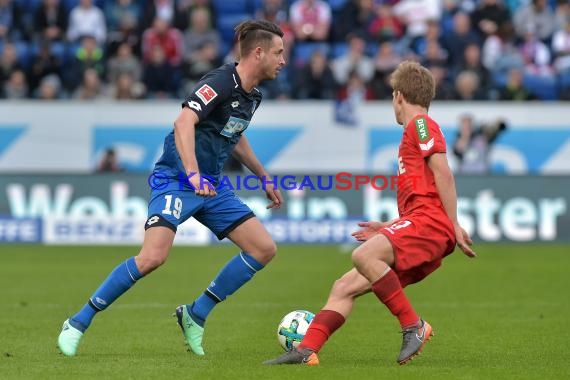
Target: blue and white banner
{"x":20,"y":230}
{"x":288,"y":137}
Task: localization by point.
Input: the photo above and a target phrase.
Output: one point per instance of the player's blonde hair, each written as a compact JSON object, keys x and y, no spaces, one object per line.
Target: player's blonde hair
{"x":250,"y":34}
{"x":414,"y":82}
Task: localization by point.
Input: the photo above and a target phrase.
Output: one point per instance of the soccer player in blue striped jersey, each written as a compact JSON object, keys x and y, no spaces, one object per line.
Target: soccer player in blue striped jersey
{"x":209,"y":128}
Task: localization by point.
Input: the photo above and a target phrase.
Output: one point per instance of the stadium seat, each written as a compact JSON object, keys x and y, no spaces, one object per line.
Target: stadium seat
{"x":227,"y":24}
{"x":303,"y":50}
{"x":337,"y":5}
{"x":338,"y":49}
{"x":225,"y":7}
{"x":543,"y":87}
{"x":564,"y":80}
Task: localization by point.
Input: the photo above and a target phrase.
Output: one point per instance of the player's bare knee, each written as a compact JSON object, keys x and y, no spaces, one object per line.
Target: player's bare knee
{"x":265,"y":252}
{"x":150,"y":259}
{"x":360,"y":257}
{"x":341,"y":289}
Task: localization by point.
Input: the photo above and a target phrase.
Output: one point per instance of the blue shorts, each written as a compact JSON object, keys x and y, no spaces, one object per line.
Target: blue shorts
{"x":221,"y":214}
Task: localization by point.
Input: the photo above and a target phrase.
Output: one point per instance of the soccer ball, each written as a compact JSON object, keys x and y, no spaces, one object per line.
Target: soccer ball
{"x":293,"y":327}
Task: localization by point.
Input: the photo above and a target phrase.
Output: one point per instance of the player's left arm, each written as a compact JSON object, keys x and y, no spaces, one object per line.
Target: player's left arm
{"x":244,"y":154}
{"x":445,"y":184}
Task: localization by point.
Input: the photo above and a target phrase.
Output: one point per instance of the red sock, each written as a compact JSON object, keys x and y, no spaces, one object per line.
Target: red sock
{"x":325,"y":323}
{"x":389,"y":291}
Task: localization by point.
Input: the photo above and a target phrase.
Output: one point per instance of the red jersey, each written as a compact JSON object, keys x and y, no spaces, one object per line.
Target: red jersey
{"x":422,"y":137}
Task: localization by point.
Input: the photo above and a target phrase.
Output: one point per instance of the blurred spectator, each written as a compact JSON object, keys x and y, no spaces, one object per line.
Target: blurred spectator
{"x":435,"y":55}
{"x":459,"y":37}
{"x":8,"y":62}
{"x":500,"y":52}
{"x":117,"y":10}
{"x":49,"y":88}
{"x":315,"y":80}
{"x":385,"y":62}
{"x":537,"y":16}
{"x":561,"y":14}
{"x":169,"y":39}
{"x":88,"y":56}
{"x":276,"y":12}
{"x":87,"y":20}
{"x":384,"y":26}
{"x":356,"y":90}
{"x":11,"y":22}
{"x":162,"y":9}
{"x":204,"y":59}
{"x":109,"y":162}
{"x":16,"y":87}
{"x":91,"y":87}
{"x":443,"y":90}
{"x":488,"y":17}
{"x":415,"y":14}
{"x":535,"y":53}
{"x":50,"y":21}
{"x":186,"y":8}
{"x":419,"y":44}
{"x":233,"y":55}
{"x":473,"y":144}
{"x":350,"y":96}
{"x":126,"y":33}
{"x":354,"y":59}
{"x":125,"y":87}
{"x":43,"y":64}
{"x":311,"y":20}
{"x":123,"y":62}
{"x":467,"y":87}
{"x":159,"y":75}
{"x":472,"y":61}
{"x":561,"y":48}
{"x":514,"y":88}
{"x":198,"y":34}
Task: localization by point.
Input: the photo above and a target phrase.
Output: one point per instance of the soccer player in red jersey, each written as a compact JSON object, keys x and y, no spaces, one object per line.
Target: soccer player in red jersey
{"x":403,"y":251}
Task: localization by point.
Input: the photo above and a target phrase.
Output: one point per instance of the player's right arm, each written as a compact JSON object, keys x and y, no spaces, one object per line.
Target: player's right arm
{"x":184,"y":137}
{"x":445,"y":184}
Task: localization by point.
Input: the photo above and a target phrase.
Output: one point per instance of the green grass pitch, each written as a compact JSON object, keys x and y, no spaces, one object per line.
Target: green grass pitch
{"x":503,"y":315}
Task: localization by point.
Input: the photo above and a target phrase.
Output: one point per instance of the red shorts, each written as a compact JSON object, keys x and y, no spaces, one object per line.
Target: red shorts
{"x":420,"y":242}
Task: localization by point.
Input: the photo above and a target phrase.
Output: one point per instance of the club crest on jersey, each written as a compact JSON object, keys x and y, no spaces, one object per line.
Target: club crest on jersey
{"x":422,"y":129}
{"x":206,"y":94}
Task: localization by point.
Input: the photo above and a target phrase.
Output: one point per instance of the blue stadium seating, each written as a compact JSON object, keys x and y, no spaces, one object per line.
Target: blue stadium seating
{"x":303,"y":50}
{"x":228,"y":22}
{"x":543,"y":87}
{"x":228,"y":7}
{"x":564,"y":80}
{"x":337,"y":5}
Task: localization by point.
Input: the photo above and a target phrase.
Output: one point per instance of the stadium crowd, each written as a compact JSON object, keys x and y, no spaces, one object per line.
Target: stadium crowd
{"x":336,"y":49}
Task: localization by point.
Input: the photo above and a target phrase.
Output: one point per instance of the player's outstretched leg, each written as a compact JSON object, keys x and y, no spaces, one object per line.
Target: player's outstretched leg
{"x":414,"y":340}
{"x":193,"y":332}
{"x":296,"y":356}
{"x":118,"y":282}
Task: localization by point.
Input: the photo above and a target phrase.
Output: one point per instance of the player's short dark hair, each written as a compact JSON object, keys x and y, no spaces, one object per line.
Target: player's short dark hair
{"x":251,"y":33}
{"x":414,"y":82}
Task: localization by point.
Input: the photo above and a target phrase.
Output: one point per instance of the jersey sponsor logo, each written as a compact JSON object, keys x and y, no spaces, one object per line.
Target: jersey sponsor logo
{"x":206,"y":94}
{"x":421,"y":128}
{"x":195,"y":105}
{"x":427,"y":146}
{"x":234,"y":126}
